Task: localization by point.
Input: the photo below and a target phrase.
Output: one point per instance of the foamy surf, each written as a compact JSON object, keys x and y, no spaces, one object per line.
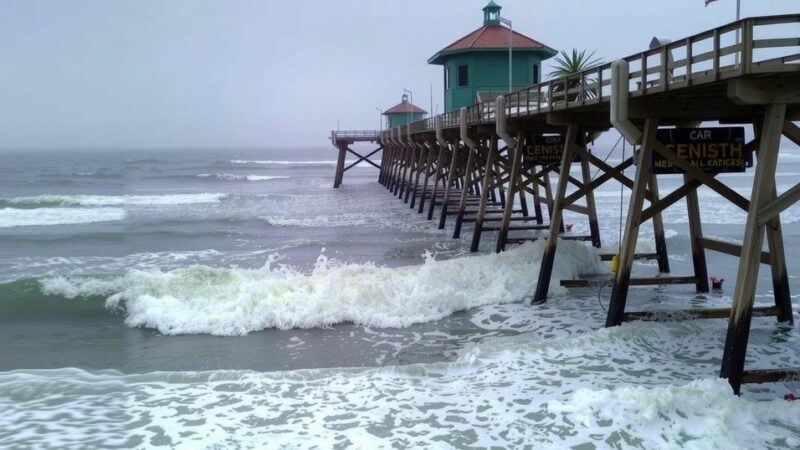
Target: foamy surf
{"x":283,"y":162}
{"x":271,"y":162}
{"x":13,"y":217}
{"x":526,"y":392}
{"x":202,"y":299}
{"x":113,"y":200}
{"x":233,"y":177}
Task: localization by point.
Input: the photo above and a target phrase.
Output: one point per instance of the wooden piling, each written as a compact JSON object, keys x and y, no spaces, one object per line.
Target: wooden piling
{"x":744,"y":292}
{"x":556,"y":219}
{"x":619,"y":291}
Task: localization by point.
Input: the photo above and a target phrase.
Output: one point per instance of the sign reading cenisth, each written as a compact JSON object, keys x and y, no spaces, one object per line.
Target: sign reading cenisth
{"x":545,"y":150}
{"x":713,"y":150}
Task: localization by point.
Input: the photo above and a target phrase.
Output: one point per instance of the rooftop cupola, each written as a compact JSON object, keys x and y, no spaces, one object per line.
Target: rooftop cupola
{"x":476,"y":66}
{"x":491,"y":13}
{"x":403,"y":113}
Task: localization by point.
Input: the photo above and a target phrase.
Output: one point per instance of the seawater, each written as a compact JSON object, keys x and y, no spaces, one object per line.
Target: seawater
{"x":233,"y":299}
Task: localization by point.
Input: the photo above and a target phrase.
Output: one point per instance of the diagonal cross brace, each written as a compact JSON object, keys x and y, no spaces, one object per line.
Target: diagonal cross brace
{"x":363,"y":158}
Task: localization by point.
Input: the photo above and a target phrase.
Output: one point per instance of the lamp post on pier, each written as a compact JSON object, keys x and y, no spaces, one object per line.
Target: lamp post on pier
{"x":380,"y":118}
{"x":510,"y":46}
{"x":408,"y":91}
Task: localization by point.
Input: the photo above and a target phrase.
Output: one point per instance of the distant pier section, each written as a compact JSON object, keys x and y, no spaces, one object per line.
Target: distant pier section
{"x":343,"y":140}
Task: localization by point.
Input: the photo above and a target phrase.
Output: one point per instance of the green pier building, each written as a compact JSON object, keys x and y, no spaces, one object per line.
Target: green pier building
{"x":476,"y":66}
{"x":403,"y":113}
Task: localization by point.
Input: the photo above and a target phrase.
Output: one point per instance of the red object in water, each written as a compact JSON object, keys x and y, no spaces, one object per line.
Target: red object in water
{"x":791,"y":396}
{"x":568,"y":226}
{"x":716,"y":283}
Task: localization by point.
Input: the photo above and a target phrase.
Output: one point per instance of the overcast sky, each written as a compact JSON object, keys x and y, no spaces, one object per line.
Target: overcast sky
{"x":237,"y":73}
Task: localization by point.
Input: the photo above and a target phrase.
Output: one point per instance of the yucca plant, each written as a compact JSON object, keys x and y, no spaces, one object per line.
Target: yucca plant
{"x":572,"y":64}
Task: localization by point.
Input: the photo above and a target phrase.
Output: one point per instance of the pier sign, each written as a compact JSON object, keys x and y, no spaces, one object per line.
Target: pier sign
{"x":545,"y":150}
{"x":713,"y":150}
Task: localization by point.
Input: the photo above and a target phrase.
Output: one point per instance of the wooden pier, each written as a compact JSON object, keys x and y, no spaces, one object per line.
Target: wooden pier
{"x":476,"y":165}
{"x":343,"y":140}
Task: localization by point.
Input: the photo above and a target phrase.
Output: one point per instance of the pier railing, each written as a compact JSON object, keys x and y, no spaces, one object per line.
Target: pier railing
{"x":356,"y":135}
{"x":765,"y":44}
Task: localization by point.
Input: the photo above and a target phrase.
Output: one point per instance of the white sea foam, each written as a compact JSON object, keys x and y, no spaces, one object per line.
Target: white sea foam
{"x":115,"y":200}
{"x":601,"y":389}
{"x":701,"y":414}
{"x":12,"y":269}
{"x":283,"y":162}
{"x":341,"y":220}
{"x":13,"y":217}
{"x":233,"y":177}
{"x":202,"y":299}
{"x":272,"y":162}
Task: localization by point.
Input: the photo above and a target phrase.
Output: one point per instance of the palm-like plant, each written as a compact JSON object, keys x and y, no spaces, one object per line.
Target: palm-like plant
{"x":572,"y":64}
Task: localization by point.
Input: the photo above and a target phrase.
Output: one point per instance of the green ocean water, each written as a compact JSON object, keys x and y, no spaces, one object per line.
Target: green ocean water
{"x":232,"y":299}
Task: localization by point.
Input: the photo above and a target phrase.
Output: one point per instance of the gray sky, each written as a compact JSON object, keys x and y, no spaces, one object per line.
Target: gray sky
{"x":237,"y":73}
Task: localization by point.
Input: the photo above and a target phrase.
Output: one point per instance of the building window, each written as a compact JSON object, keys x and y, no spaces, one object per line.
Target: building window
{"x":446,"y":77}
{"x":463,"y":76}
{"x":535,"y":73}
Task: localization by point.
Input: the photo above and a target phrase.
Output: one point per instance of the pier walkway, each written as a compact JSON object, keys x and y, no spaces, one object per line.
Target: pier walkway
{"x":478,"y":164}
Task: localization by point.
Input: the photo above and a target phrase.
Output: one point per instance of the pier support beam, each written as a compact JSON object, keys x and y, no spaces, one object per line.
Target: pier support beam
{"x":469,"y":169}
{"x":556,"y":220}
{"x":619,"y":291}
{"x":743,"y":295}
{"x":488,"y":177}
{"x":337,"y":179}
{"x":452,"y":177}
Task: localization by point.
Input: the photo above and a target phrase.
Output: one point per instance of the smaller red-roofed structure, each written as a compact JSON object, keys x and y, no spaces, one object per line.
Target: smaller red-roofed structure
{"x":403,"y":113}
{"x":478,"y":63}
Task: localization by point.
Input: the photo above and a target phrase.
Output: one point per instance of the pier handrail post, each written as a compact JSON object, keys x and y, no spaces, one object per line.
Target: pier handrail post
{"x":463,"y":127}
{"x":439,"y":131}
{"x":620,"y":95}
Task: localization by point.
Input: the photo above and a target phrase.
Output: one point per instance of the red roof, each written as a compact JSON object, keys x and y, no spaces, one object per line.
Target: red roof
{"x":404,"y":108}
{"x":491,"y":37}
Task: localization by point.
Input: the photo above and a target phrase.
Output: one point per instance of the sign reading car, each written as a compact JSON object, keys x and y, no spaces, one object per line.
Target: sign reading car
{"x":712,"y":150}
{"x":545,"y":150}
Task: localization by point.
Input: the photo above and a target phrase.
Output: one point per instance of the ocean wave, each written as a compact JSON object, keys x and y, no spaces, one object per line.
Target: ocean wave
{"x":13,"y":217}
{"x":284,"y":162}
{"x":202,"y":299}
{"x":233,"y":177}
{"x":13,"y":269}
{"x":112,"y":200}
{"x":142,"y":160}
{"x":272,"y":162}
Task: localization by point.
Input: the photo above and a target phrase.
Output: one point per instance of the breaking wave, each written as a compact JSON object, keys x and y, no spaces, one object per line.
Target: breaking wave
{"x":208,"y":300}
{"x":272,"y":162}
{"x":13,"y":217}
{"x":233,"y":177}
{"x":284,"y":162}
{"x":112,"y":200}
